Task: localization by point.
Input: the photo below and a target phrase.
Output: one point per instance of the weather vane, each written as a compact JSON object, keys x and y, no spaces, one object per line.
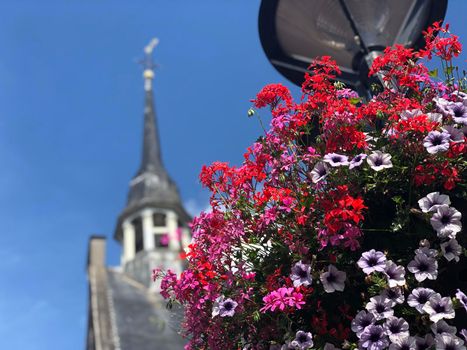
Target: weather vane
{"x":148,"y":63}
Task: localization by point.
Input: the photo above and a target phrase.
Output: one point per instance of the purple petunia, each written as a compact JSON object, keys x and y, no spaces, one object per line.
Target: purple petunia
{"x":395,"y":274}
{"x":396,"y":328}
{"x":373,"y":337}
{"x":362,"y":320}
{"x":335,"y":160}
{"x":442,"y":105}
{"x":224,"y":307}
{"x":319,"y":172}
{"x":423,"y":267}
{"x":431,"y":253}
{"x":303,"y":340}
{"x":379,"y":161}
{"x":435,"y":117}
{"x":458,"y":111}
{"x":446,"y":221}
{"x":455,"y":134}
{"x":463,"y":332}
{"x":301,"y":274}
{"x":389,"y":132}
{"x":410,"y":114}
{"x":407,"y":343}
{"x":288,"y":346}
{"x":442,"y":327}
{"x":438,"y":308}
{"x":460,"y":295}
{"x":372,"y":261}
{"x":424,"y":343}
{"x":432,"y":201}
{"x":419,"y":297}
{"x":451,"y":250}
{"x":461,"y":96}
{"x":446,"y":341}
{"x":436,"y":142}
{"x":380,"y":307}
{"x":357,"y":160}
{"x":395,"y":294}
{"x":333,"y":279}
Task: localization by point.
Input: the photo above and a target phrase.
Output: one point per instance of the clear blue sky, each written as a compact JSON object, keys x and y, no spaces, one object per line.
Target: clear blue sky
{"x":71,"y":104}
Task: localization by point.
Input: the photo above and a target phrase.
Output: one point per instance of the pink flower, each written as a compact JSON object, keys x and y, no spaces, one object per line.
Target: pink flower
{"x":249,"y":276}
{"x":288,"y":203}
{"x":282,"y":298}
{"x":269,"y":216}
{"x":279,"y":122}
{"x":168,"y":283}
{"x":156,"y":273}
{"x":346,"y":93}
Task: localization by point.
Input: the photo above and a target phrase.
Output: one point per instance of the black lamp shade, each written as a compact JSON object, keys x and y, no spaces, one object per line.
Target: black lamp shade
{"x":293,"y":32}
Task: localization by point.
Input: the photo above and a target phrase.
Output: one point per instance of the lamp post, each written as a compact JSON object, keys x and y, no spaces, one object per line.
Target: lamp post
{"x":353,"y":32}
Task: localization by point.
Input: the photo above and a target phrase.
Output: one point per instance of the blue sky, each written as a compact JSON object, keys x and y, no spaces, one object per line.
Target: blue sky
{"x":71,"y":104}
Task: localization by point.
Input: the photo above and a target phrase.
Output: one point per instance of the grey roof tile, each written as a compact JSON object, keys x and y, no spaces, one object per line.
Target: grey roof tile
{"x":142,"y":320}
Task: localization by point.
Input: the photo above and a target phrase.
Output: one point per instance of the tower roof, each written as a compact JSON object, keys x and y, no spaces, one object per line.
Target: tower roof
{"x":152,"y":186}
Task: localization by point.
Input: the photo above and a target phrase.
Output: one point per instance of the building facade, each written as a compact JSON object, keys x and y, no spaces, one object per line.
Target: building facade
{"x":125,"y":310}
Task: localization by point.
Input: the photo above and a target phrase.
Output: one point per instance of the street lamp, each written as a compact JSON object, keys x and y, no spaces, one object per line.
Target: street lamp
{"x":352,"y":32}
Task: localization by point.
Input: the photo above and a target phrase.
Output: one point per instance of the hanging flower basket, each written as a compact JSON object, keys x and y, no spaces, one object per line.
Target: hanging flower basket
{"x":352,"y":241}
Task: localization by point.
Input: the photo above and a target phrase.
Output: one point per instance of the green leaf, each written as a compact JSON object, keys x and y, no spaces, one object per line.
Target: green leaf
{"x":379,"y":115}
{"x":378,"y":285}
{"x":448,"y":70}
{"x":256,"y":316}
{"x":355,"y":100}
{"x":433,"y":73}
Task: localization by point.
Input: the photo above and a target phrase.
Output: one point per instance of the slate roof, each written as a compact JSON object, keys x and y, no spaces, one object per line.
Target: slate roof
{"x":140,"y":317}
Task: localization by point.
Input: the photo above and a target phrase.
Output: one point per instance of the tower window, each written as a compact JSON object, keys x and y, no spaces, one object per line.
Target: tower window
{"x":162,"y":240}
{"x":138,"y":225}
{"x":158,"y":219}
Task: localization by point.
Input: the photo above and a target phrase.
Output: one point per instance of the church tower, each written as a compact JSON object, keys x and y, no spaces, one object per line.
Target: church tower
{"x":153,"y":228}
{"x":125,"y":312}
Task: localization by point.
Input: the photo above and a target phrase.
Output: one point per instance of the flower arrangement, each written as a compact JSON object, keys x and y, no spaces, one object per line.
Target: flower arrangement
{"x":343,"y":226}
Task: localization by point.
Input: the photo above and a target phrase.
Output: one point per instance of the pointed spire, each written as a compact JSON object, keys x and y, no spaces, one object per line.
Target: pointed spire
{"x":151,"y":160}
{"x":152,"y":183}
{"x":152,"y":187}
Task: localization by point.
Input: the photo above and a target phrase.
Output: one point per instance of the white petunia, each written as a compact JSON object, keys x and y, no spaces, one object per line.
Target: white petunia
{"x":333,"y":279}
{"x":432,"y":201}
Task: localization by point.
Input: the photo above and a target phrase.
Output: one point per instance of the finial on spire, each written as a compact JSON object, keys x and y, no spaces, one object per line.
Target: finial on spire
{"x":148,"y":64}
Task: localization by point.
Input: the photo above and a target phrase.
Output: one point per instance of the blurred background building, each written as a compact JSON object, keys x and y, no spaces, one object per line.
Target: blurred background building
{"x":125,"y":310}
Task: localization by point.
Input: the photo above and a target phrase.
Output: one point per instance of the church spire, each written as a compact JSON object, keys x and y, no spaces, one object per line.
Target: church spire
{"x":151,"y":160}
{"x":151,"y":190}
